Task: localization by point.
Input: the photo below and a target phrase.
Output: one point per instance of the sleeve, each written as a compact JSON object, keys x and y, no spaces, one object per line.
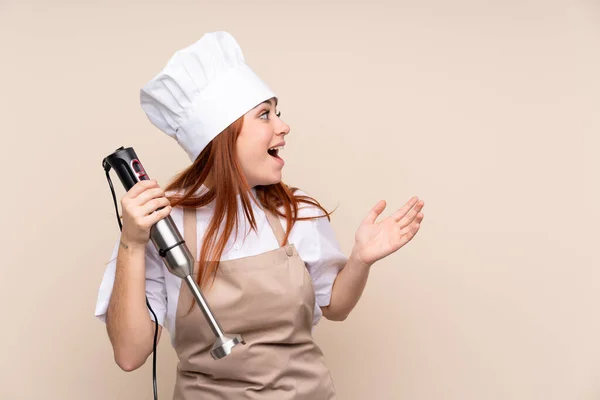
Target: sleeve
{"x":320,"y":250}
{"x":155,"y":284}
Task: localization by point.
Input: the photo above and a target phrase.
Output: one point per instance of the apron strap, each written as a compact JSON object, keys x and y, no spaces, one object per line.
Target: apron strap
{"x":189,"y":230}
{"x":276,"y":226}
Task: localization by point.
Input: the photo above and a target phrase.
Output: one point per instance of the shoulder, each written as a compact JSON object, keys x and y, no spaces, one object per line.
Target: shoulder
{"x":306,"y":210}
{"x":312,"y":223}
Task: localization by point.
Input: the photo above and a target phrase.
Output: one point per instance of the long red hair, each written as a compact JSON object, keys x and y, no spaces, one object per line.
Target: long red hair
{"x":227,"y":180}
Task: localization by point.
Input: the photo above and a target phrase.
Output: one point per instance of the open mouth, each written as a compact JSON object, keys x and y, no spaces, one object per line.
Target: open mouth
{"x":274,"y":151}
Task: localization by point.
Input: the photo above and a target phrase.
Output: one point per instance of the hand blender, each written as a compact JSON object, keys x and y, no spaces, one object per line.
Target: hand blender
{"x":172,"y":248}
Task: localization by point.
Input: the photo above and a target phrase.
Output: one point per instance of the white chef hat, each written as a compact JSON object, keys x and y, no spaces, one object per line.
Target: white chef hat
{"x":202,"y":90}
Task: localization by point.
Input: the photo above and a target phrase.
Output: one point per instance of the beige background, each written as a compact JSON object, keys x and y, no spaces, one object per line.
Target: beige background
{"x":486,"y":110}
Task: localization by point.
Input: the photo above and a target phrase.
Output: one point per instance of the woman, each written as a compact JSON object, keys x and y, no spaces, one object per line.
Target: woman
{"x":268,"y":261}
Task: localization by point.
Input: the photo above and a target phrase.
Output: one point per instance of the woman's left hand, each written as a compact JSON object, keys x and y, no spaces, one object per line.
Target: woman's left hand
{"x":376,"y":240}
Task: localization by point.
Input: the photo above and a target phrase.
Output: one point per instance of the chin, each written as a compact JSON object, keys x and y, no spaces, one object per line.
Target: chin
{"x":270,"y":180}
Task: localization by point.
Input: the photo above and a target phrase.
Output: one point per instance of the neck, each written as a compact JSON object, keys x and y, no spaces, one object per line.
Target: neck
{"x":209,"y":182}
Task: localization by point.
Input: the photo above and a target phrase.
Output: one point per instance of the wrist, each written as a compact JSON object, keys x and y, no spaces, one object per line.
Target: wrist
{"x":130,"y":246}
{"x":355,"y":259}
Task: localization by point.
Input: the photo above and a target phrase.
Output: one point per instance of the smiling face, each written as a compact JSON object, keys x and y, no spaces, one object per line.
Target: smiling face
{"x":259,"y":143}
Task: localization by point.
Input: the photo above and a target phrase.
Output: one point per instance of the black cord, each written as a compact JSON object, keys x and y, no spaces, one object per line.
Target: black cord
{"x":154,"y":350}
{"x":112,"y":189}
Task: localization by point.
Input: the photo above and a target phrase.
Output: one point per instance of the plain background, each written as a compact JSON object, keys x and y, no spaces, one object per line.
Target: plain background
{"x":486,"y":110}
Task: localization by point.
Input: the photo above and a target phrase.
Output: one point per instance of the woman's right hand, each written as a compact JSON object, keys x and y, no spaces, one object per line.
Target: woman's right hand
{"x":138,"y":206}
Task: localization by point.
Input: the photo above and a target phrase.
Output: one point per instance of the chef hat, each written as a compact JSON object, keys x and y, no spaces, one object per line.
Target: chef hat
{"x":202,"y":90}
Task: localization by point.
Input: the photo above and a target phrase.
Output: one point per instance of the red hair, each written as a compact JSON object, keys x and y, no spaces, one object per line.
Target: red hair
{"x":220,"y":159}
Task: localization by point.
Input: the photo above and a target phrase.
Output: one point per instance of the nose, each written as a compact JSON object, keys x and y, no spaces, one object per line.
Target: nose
{"x":283,"y":128}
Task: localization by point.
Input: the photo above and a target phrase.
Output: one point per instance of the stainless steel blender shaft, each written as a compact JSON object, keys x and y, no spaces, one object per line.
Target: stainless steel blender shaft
{"x":223,"y":344}
{"x":179,"y":261}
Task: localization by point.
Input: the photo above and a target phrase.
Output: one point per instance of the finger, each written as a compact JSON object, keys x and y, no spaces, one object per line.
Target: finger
{"x":375,"y":212}
{"x":413,"y":228}
{"x":409,"y":233}
{"x":398,"y":215}
{"x":154,"y":205}
{"x":412,"y":215}
{"x":419,"y":218}
{"x":148,"y":195}
{"x":140,"y":187}
{"x":157,"y":216}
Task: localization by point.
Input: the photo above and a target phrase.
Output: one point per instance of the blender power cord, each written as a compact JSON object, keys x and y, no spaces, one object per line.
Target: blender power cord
{"x":154,"y":386}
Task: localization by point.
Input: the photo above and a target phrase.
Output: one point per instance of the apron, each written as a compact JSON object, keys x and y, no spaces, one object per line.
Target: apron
{"x":267,"y":298}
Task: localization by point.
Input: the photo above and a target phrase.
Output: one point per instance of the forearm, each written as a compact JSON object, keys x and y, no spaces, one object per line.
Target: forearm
{"x":347,"y":289}
{"x":130,"y":329}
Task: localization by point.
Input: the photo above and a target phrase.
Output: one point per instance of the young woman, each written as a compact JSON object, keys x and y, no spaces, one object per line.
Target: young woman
{"x":267,"y":258}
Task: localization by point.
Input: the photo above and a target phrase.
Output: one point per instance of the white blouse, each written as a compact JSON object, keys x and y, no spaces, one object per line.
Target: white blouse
{"x":314,"y":240}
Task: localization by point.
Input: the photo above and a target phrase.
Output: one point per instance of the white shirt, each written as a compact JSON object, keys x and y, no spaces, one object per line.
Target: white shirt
{"x":314,"y":240}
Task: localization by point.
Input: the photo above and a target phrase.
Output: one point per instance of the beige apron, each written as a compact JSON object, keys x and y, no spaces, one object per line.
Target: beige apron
{"x":267,"y":298}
